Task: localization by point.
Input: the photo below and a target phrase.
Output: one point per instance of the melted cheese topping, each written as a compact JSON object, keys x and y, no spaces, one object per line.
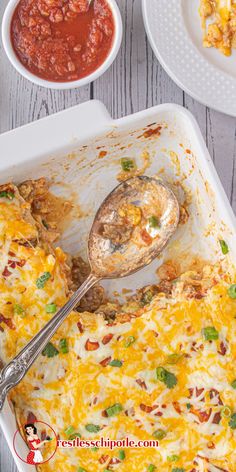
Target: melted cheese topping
{"x":75,"y":388}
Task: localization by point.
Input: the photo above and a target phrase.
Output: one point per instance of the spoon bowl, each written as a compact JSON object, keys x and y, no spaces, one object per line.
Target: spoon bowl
{"x":117,"y":248}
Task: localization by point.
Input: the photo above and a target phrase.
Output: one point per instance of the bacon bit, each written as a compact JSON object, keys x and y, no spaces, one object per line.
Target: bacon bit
{"x":91,"y":346}
{"x":21,"y":263}
{"x":177,"y":408}
{"x":12,"y":264}
{"x":146,"y":408}
{"x":12,"y":254}
{"x":203,"y":416}
{"x":211,"y":445}
{"x":216,"y":418}
{"x":94,"y":402}
{"x":223,"y":349}
{"x":130,"y":412}
{"x":198,"y":392}
{"x":114,"y":460}
{"x":146,"y":237}
{"x":104,"y":414}
{"x":159,"y":413}
{"x":6,"y":272}
{"x":105,"y":362}
{"x":138,"y":422}
{"x":156,"y":334}
{"x":80,"y":327}
{"x":215,"y":394}
{"x":188,"y":151}
{"x":163,"y":406}
{"x":104,"y":459}
{"x":198,"y":296}
{"x":7,"y":321}
{"x":31,"y":418}
{"x":141,"y":383}
{"x":107,"y":338}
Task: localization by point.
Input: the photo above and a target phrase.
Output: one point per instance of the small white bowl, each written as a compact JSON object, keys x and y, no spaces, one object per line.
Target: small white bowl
{"x":6,"y":39}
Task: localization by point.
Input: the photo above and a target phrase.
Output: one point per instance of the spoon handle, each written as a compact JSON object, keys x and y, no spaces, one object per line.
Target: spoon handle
{"x":15,"y":370}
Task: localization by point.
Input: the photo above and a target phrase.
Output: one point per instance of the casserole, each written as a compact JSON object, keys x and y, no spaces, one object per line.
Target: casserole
{"x":90,"y":160}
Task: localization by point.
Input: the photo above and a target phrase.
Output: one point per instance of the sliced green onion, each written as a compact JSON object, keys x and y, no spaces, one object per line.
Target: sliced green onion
{"x":94,"y":449}
{"x":114,"y":409}
{"x":233,"y":384}
{"x":159,"y":434}
{"x":168,"y":378}
{"x":232,"y":291}
{"x":51,"y":308}
{"x":210,"y":333}
{"x":151,"y":468}
{"x":50,"y":351}
{"x":173,"y":458}
{"x":226,"y":411}
{"x":154,"y":222}
{"x":81,"y":469}
{"x":116,"y":363}
{"x":9,"y":195}
{"x":19,"y":310}
{"x":63,"y":345}
{"x":232,"y":422}
{"x":128,"y":164}
{"x":74,"y":436}
{"x":130,"y":340}
{"x":178,"y":469}
{"x":188,"y":405}
{"x":161,"y":373}
{"x":41,"y":281}
{"x":224,"y":247}
{"x":92,"y":428}
{"x":70,"y":430}
{"x":121,"y":455}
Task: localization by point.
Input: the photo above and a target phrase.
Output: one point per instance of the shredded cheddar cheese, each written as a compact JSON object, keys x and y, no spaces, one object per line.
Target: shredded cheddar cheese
{"x":171,"y":369}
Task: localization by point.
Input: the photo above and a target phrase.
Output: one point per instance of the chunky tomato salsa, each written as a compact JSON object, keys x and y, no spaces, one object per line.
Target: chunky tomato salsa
{"x":62,"y":40}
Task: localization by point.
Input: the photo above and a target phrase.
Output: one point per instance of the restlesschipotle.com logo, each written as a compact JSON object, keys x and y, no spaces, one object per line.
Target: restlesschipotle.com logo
{"x":41,"y":440}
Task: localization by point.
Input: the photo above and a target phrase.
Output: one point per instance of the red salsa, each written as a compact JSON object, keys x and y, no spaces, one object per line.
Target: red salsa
{"x":62,"y":40}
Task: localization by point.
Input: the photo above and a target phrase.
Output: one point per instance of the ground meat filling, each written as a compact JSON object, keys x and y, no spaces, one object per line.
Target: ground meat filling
{"x":95,"y":297}
{"x":118,"y":234}
{"x":49,"y":211}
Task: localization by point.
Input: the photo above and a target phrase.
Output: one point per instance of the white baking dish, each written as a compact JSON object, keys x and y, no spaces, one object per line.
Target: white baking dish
{"x":65,"y":148}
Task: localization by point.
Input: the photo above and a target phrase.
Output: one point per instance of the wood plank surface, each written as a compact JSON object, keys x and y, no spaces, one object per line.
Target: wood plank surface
{"x":134,"y":82}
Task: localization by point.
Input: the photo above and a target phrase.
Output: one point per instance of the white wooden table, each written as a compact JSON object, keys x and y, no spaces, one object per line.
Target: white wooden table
{"x":134,"y":82}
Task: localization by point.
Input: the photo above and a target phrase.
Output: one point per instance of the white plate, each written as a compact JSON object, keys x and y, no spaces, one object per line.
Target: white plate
{"x":174,"y":31}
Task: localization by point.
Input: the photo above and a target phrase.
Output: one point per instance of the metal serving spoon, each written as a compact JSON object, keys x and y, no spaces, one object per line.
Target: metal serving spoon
{"x":108,"y":258}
